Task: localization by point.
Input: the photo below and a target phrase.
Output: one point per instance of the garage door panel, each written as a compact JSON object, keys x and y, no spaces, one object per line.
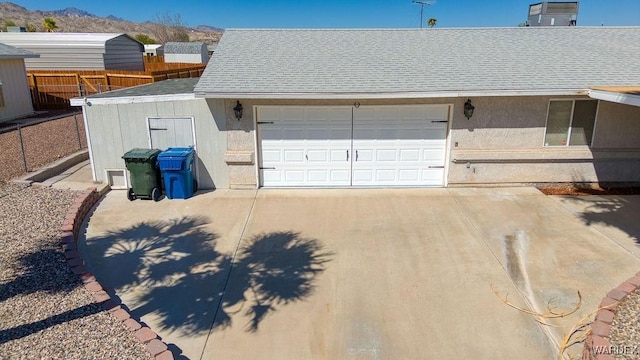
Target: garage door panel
{"x":409,"y":175}
{"x":386,"y":155}
{"x":437,"y":113}
{"x":364,"y":176}
{"x":294,"y":176}
{"x":312,"y":141}
{"x":292,"y":113}
{"x":271,"y":155}
{"x":364,"y":155}
{"x":405,"y":140}
{"x":318,"y":176}
{"x":433,"y":156}
{"x":318,"y":156}
{"x":385,"y":175}
{"x":293,"y":156}
{"x":270,"y":114}
{"x":343,"y":146}
{"x":271,"y":176}
{"x":409,"y":155}
{"x":432,"y":175}
{"x":342,"y":177}
{"x":435,"y":134}
{"x":340,"y":155}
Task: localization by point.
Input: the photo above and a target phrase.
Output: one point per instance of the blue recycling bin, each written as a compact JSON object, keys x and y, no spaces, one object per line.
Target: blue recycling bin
{"x":176,"y":165}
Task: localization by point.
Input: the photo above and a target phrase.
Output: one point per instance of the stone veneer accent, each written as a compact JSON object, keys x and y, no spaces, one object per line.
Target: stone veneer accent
{"x":69,"y":241}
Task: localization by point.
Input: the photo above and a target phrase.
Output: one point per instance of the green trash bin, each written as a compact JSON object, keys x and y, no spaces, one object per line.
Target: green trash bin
{"x":145,"y":174}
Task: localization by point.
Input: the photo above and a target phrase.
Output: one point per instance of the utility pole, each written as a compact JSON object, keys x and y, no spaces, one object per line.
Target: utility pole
{"x":422,"y":4}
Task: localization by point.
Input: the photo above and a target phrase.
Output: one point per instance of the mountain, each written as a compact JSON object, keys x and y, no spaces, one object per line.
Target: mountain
{"x":115,"y":18}
{"x":77,"y":20}
{"x":208,"y":28}
{"x":73,"y":12}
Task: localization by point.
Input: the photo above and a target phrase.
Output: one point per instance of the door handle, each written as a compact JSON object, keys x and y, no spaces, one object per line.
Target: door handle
{"x":356,"y":155}
{"x":347,"y":155}
{"x":306,"y":156}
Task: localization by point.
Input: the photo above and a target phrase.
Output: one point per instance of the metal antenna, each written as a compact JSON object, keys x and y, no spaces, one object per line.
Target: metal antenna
{"x":422,"y":4}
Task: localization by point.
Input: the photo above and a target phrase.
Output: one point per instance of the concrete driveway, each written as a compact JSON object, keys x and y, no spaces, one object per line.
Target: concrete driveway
{"x":359,"y":274}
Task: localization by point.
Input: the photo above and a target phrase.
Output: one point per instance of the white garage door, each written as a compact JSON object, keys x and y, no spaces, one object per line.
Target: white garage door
{"x":323,"y":146}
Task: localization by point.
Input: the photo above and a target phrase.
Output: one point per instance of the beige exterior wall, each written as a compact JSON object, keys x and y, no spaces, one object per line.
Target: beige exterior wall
{"x":502,"y":144}
{"x":15,"y":90}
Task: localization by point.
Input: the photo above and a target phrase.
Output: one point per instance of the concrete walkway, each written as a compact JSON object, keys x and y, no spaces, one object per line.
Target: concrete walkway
{"x":356,"y":274}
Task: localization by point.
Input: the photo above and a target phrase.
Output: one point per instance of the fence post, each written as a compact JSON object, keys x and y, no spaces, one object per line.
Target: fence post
{"x":36,"y":92}
{"x":24,"y":156}
{"x":75,"y":119}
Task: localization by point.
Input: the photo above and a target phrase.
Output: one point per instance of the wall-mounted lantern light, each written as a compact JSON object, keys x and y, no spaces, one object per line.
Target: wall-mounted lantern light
{"x":237,"y":110}
{"x":468,"y":109}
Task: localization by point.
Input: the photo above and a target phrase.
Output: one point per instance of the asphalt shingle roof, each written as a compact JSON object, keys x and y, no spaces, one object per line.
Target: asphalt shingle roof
{"x":164,"y":87}
{"x":383,"y":61}
{"x":183,"y":47}
{"x":10,"y":52}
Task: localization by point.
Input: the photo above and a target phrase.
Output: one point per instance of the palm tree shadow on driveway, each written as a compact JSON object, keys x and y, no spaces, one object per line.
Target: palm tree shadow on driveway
{"x":174,"y":272}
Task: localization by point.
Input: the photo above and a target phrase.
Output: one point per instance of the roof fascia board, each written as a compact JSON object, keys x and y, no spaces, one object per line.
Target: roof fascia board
{"x":130,"y":99}
{"x":616,"y":97}
{"x":12,"y":57}
{"x":398,"y":95}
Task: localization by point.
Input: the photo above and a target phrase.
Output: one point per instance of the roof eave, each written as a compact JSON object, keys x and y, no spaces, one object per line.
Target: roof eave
{"x":130,"y":99}
{"x":616,"y":97}
{"x":391,"y":95}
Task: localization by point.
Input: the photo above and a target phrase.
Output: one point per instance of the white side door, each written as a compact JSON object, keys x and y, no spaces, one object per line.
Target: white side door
{"x":171,"y":132}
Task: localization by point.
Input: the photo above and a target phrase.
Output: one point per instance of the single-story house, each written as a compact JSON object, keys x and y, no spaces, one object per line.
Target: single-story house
{"x":384,"y":108}
{"x":15,"y":97}
{"x":78,"y":51}
{"x":186,"y":52}
{"x":153,"y":50}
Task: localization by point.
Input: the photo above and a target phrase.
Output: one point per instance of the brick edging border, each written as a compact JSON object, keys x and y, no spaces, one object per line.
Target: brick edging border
{"x":601,"y":326}
{"x":79,"y":209}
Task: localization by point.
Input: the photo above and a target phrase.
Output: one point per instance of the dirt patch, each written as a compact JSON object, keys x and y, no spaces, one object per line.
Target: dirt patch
{"x":571,"y":189}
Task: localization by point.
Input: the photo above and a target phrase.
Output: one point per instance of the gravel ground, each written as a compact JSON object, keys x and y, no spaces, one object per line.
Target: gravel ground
{"x":43,"y":143}
{"x":625,"y":329}
{"x":45,"y":313}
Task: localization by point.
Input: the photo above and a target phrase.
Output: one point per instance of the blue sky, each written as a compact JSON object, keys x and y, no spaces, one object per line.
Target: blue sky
{"x":344,"y":13}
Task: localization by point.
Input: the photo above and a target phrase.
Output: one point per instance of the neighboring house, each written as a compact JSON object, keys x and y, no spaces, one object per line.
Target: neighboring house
{"x":341,"y":108}
{"x":556,"y":13}
{"x":79,"y":51}
{"x":153,"y":50}
{"x":186,"y":52}
{"x":15,"y":97}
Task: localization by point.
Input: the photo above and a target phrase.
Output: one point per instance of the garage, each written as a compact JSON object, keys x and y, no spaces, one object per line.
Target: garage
{"x":342,"y":146}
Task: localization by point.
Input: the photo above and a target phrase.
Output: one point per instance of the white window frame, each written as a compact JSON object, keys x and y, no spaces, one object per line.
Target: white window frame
{"x":573,"y":106}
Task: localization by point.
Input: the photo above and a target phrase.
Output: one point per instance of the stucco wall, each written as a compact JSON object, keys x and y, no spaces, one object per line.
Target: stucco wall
{"x":503,"y":143}
{"x":117,"y":128}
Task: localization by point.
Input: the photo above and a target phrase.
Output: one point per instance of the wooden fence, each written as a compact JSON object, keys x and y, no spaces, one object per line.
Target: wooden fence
{"x":153,"y":59}
{"x":52,"y":89}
